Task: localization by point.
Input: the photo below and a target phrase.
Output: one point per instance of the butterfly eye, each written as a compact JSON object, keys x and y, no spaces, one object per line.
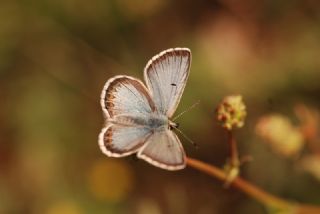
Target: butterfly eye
{"x":173,"y":125}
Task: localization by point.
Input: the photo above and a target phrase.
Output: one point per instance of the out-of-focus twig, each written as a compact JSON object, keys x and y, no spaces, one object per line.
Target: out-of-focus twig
{"x":253,"y":191}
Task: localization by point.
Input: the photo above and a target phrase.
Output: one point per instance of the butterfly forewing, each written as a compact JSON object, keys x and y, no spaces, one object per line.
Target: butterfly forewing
{"x":163,"y":149}
{"x":123,"y":95}
{"x":166,"y":75}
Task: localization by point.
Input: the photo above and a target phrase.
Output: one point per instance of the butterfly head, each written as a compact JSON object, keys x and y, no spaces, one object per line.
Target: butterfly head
{"x":173,"y":125}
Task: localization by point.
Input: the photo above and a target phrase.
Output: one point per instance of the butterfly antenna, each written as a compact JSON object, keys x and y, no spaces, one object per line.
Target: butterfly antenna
{"x":186,"y":137}
{"x":186,"y":110}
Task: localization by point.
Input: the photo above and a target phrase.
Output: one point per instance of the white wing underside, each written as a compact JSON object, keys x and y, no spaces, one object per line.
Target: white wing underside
{"x":163,"y":149}
{"x":166,"y":76}
{"x":123,"y":100}
{"x":119,"y":141}
{"x":125,"y":95}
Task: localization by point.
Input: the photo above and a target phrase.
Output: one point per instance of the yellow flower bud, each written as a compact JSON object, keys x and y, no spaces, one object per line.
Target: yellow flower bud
{"x":284,"y":138}
{"x":231,"y":112}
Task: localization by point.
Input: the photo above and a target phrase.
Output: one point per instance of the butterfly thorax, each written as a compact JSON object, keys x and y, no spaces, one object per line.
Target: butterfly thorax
{"x":152,"y":121}
{"x":161,"y":122}
{"x":156,"y":121}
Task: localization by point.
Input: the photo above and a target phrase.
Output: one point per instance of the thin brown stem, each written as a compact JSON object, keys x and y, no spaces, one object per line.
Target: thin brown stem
{"x":253,"y":191}
{"x":234,"y":155}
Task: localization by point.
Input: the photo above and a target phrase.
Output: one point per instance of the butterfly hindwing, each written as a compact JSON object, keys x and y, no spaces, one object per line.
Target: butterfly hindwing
{"x":163,"y":149}
{"x":118,"y":140}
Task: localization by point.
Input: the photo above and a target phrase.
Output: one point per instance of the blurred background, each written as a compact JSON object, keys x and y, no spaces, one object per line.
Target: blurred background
{"x":56,"y":55}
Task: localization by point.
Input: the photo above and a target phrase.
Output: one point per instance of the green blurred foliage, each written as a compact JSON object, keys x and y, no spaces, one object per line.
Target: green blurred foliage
{"x":55,"y":57}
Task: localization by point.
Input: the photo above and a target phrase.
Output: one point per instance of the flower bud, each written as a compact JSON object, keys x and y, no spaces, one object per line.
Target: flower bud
{"x":284,"y":138}
{"x":231,"y":112}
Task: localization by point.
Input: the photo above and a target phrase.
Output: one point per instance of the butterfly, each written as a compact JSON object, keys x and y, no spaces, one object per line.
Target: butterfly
{"x":138,"y":116}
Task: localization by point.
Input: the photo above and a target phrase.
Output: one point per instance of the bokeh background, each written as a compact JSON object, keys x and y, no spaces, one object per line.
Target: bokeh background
{"x":56,"y":55}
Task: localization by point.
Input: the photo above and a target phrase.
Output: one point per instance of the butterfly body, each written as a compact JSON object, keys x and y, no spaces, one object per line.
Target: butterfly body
{"x":155,"y":122}
{"x":150,"y":121}
{"x":138,"y":116}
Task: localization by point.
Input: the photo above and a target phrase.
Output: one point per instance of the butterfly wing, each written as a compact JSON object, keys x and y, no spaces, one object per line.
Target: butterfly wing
{"x":126,"y":103}
{"x":166,"y":75}
{"x":124,"y":95}
{"x":118,"y":140}
{"x":163,"y":149}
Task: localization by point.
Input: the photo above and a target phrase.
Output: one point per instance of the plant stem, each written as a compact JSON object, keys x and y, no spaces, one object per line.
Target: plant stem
{"x":253,"y":191}
{"x":234,"y":156}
